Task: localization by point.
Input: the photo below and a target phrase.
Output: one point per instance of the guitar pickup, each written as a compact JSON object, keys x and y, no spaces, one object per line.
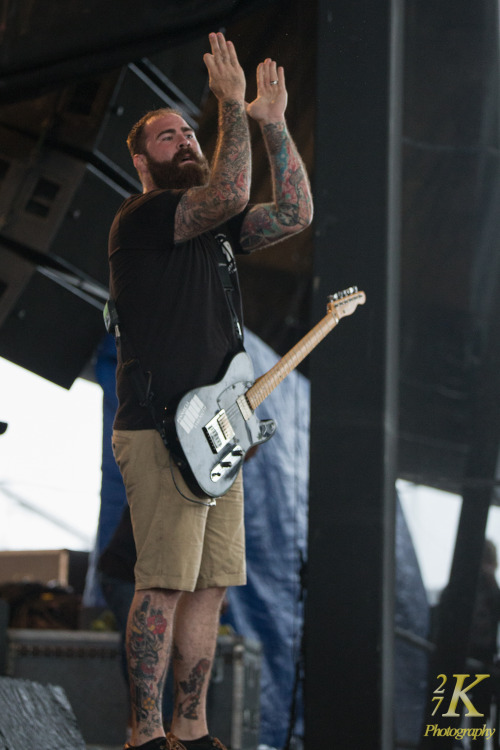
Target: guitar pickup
{"x":218,"y":431}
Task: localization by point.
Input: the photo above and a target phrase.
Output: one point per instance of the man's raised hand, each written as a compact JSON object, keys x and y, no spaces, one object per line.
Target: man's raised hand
{"x":226,"y":77}
{"x":270,"y":103}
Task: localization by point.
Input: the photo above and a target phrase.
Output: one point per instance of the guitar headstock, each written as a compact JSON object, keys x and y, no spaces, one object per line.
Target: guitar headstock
{"x":345,"y":302}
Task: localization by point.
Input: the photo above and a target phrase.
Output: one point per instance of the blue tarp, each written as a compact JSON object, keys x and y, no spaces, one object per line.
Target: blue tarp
{"x":269,"y":608}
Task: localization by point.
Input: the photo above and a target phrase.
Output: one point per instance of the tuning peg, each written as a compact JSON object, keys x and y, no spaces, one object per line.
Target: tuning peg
{"x":343,"y":293}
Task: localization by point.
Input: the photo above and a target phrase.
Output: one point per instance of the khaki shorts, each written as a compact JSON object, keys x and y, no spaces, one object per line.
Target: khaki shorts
{"x":180,"y":544}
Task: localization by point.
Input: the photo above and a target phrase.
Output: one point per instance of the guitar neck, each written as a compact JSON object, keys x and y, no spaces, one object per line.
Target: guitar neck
{"x":265,"y":384}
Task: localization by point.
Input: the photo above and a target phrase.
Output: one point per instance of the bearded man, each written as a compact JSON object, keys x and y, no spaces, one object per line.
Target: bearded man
{"x":182,"y":317}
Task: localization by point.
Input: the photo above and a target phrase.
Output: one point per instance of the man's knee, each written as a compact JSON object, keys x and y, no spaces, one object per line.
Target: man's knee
{"x":214,"y":594}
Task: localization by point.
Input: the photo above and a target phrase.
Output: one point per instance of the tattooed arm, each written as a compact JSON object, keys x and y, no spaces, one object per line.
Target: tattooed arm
{"x":228,"y":188}
{"x":292,"y":208}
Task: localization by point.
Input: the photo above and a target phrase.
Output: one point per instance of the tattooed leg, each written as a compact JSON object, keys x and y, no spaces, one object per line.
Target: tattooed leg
{"x":195,"y":638}
{"x":149,"y":636}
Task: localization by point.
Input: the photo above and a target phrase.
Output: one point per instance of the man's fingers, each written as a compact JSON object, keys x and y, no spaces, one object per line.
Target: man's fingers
{"x":215,"y":44}
{"x":209,"y":61}
{"x":271,"y":71}
{"x":263,"y":74}
{"x":226,"y":77}
{"x":219,"y":52}
{"x":233,"y":57}
{"x":223,"y":52}
{"x":269,"y":76}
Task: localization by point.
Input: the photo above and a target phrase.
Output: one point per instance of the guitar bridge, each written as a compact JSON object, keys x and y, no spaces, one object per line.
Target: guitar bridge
{"x":218,"y":431}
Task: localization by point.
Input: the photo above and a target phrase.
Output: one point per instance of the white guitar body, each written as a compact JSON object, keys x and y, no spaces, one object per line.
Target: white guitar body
{"x":215,"y":427}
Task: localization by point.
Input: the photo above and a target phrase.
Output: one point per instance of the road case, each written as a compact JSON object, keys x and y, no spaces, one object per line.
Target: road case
{"x":233,"y":703}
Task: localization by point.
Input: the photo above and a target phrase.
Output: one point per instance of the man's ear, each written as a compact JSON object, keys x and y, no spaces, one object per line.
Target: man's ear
{"x":139,"y":161}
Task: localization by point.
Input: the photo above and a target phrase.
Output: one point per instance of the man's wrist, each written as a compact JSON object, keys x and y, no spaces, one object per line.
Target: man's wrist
{"x":272,"y":121}
{"x":232,"y":100}
{"x":231,"y":110}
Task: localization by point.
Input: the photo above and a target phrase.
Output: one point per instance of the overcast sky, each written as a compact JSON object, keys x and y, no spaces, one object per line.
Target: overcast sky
{"x":50,"y":462}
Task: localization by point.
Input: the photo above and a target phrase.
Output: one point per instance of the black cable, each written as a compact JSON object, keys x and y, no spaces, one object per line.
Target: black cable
{"x":209,"y":504}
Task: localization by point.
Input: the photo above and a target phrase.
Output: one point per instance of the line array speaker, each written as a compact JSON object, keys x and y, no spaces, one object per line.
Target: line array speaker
{"x":64,"y":171}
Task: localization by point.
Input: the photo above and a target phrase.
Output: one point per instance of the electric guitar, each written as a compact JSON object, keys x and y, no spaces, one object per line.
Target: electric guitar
{"x":215,"y":425}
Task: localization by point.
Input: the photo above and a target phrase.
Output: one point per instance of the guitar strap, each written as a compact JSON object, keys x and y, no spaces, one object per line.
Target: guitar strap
{"x":141,"y":381}
{"x":224,"y":261}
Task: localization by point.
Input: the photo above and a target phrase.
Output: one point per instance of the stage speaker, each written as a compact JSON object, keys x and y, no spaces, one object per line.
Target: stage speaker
{"x":64,"y":171}
{"x":87,"y":665}
{"x":34,"y":715}
{"x":49,"y":330}
{"x":56,"y":211}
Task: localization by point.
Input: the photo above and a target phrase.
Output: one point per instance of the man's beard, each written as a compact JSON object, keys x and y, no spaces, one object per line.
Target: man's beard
{"x":171,"y":175}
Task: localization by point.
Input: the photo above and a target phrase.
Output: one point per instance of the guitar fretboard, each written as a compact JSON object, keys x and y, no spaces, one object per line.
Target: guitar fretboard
{"x":266,"y":384}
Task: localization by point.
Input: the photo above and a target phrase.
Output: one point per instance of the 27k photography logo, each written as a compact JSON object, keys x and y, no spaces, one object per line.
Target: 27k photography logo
{"x":452,"y":707}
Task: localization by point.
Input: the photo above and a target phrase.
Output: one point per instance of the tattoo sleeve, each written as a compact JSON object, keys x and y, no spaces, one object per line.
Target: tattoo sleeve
{"x":228,"y":189}
{"x":292,"y":208}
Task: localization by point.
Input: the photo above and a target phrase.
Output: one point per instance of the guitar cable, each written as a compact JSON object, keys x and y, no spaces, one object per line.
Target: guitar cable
{"x":209,"y":504}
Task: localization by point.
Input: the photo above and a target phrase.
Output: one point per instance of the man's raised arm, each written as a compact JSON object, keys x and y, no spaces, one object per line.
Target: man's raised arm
{"x":292,"y":208}
{"x":228,"y":188}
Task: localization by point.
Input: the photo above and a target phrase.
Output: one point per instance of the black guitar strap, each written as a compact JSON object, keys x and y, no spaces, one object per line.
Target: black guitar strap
{"x":225,"y":258}
{"x":141,"y":381}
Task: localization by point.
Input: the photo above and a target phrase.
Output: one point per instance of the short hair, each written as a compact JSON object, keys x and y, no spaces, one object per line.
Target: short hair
{"x":136,"y":141}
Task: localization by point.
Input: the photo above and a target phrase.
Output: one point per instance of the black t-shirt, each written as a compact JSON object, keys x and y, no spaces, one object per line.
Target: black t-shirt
{"x":171,"y":302}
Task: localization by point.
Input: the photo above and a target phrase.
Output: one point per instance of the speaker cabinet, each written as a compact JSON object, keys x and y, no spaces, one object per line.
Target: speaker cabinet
{"x":35,"y":715}
{"x":64,"y":171}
